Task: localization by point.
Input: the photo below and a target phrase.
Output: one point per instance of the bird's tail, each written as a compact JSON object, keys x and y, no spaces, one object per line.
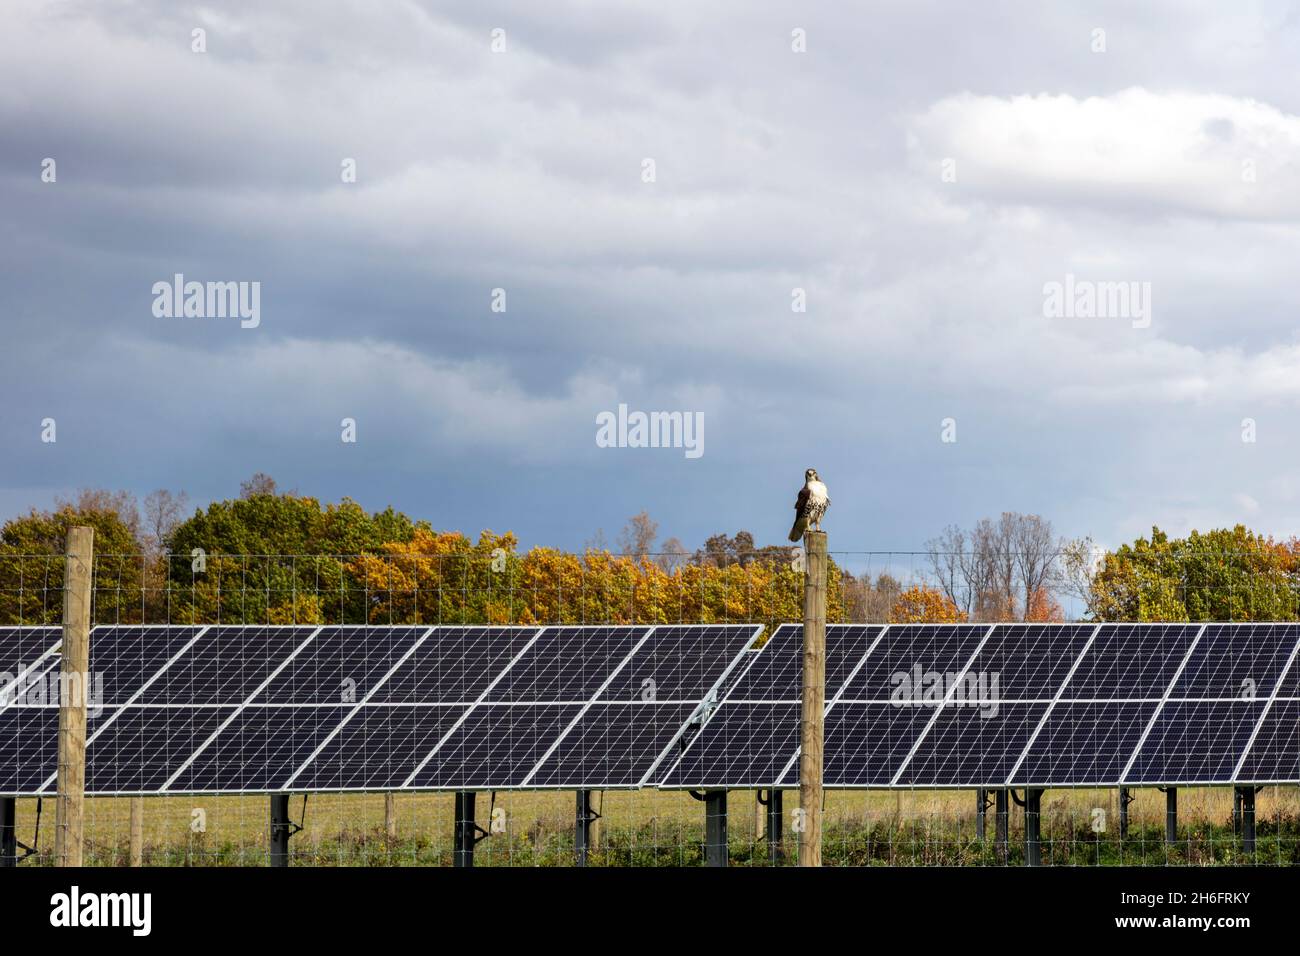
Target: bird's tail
{"x":800,"y":524}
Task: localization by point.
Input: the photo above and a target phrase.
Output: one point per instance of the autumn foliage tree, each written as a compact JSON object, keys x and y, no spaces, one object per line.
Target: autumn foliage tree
{"x":923,"y":605}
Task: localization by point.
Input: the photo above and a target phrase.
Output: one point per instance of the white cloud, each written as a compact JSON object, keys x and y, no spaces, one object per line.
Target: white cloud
{"x":1132,"y":151}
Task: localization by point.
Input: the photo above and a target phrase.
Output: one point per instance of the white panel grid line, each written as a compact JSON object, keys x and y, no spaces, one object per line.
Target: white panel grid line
{"x":1011,"y":774}
{"x":703,"y":705}
{"x":835,"y":700}
{"x":239,"y":710}
{"x":103,"y":725}
{"x":1123,"y":776}
{"x":938,"y":711}
{"x":46,"y":662}
{"x":406,"y":784}
{"x":1236,"y":770}
{"x":728,"y":699}
{"x":609,"y":679}
{"x":338,"y":728}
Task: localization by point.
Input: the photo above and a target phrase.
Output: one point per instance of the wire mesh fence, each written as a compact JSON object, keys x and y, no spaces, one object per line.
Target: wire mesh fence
{"x":646,"y":825}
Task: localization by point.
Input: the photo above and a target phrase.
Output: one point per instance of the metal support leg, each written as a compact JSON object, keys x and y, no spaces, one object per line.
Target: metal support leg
{"x":582,"y":828}
{"x":775,"y":822}
{"x":279,"y":829}
{"x":715,"y":828}
{"x":8,"y":832}
{"x":1033,"y":833}
{"x":465,"y":833}
{"x":1171,"y":815}
{"x":1247,"y":795}
{"x":981,"y":812}
{"x":1236,"y":810}
{"x":1000,"y":824}
{"x":1125,"y":798}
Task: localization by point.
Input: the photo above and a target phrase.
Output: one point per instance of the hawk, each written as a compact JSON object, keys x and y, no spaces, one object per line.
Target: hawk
{"x":810,"y":505}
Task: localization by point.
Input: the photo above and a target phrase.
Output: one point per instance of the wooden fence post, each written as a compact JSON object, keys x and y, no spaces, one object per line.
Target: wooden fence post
{"x":137,"y":831}
{"x":74,"y":686}
{"x":814,"y":699}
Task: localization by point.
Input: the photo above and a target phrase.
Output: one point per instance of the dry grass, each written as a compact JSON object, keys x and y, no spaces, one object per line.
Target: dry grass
{"x":649,"y":827}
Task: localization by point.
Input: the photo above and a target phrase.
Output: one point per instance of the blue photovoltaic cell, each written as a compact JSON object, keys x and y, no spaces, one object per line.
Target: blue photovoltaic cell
{"x":1289,"y":686}
{"x":1085,"y":743}
{"x":973,"y":746}
{"x":1028,"y":662}
{"x":845,"y":646}
{"x":226,"y":665}
{"x":125,"y":657}
{"x":21,"y":647}
{"x":454,"y":665}
{"x":911,"y":654}
{"x":1237,"y":661}
{"x":1274,"y":757}
{"x":742,"y":745}
{"x":679,"y":663}
{"x":144,"y":746}
{"x":341,"y":665}
{"x":29,"y":746}
{"x":776,"y":674}
{"x":1131,"y":661}
{"x":497,"y":746}
{"x":613,"y":745}
{"x":567,"y":664}
{"x":379,"y":748}
{"x":260,"y":749}
{"x":1195,"y":742}
{"x":865,"y":744}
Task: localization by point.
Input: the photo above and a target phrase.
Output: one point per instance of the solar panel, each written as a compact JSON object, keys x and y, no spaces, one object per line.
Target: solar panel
{"x":495,"y":748}
{"x":972,"y":744}
{"x":262,"y":708}
{"x":259,"y":749}
{"x":1196,"y":741}
{"x":743,"y":745}
{"x":225,"y":665}
{"x":1274,"y":754}
{"x":568,"y":663}
{"x":344,"y":664}
{"x":1132,"y":661}
{"x":1237,"y":661}
{"x":379,"y":748}
{"x":1084,"y":743}
{"x":659,"y":687}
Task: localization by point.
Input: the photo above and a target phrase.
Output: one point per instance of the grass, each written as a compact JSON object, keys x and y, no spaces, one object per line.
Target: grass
{"x":652,"y":828}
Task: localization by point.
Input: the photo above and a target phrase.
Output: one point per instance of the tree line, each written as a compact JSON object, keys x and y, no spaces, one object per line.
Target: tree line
{"x":279,"y":557}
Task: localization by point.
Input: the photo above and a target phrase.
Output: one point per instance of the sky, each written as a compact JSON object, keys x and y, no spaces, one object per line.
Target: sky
{"x":829,"y":233}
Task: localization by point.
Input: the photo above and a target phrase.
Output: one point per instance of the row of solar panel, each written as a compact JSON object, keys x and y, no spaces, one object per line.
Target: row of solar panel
{"x":601,"y":707}
{"x":244,"y":709}
{"x":1046,"y":705}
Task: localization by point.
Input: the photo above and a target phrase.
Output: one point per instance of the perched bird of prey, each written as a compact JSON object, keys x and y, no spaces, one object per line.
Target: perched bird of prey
{"x":810,"y":505}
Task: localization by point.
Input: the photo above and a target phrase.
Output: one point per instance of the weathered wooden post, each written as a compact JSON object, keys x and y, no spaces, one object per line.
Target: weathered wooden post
{"x":814,"y":699}
{"x":390,"y":815}
{"x":69,"y":806}
{"x":137,"y":831}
